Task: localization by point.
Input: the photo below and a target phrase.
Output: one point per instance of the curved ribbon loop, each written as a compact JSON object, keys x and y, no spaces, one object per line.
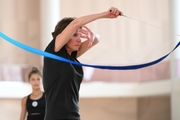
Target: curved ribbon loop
{"x":49,"y":55}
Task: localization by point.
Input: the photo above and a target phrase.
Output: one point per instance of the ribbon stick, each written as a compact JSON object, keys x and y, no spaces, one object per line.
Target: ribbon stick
{"x":52,"y":56}
{"x":146,"y":23}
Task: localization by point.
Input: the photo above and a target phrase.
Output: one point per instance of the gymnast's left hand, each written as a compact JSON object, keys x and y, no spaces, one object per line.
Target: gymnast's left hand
{"x":87,"y":34}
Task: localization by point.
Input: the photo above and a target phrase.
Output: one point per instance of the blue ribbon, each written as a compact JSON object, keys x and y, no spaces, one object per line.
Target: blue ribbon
{"x":49,"y":55}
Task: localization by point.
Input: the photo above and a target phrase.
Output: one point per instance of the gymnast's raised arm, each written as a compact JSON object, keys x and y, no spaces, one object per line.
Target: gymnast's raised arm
{"x":73,"y":27}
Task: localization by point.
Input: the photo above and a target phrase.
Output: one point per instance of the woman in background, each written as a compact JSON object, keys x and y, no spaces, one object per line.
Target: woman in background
{"x":33,"y":105}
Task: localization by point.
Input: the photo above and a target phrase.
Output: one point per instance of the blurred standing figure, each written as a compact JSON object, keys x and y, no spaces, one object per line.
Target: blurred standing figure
{"x":33,"y":105}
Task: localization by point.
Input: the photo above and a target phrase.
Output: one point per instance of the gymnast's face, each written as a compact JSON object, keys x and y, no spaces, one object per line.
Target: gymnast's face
{"x":75,"y":42}
{"x":35,"y":81}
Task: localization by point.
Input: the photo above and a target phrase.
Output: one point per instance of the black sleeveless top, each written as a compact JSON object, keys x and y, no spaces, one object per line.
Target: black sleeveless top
{"x":35,"y":108}
{"x":61,"y":82}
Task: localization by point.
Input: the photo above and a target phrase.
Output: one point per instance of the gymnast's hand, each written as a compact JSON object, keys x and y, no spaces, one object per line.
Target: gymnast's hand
{"x":86,"y":33}
{"x":113,"y":13}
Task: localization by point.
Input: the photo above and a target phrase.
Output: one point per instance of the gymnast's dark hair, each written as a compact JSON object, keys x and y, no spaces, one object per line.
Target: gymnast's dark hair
{"x":34,"y":70}
{"x":61,"y":25}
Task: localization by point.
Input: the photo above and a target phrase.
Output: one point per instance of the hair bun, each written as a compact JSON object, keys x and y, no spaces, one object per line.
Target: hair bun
{"x":35,"y":69}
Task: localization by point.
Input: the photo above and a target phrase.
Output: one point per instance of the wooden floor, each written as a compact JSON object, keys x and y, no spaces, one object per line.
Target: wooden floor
{"x":146,"y":108}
